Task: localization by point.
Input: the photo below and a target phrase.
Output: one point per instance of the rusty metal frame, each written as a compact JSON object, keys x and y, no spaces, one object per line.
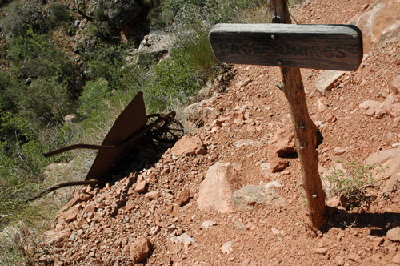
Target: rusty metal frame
{"x":128,"y":128}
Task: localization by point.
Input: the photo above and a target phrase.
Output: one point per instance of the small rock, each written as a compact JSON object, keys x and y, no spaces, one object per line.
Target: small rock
{"x":140,"y":250}
{"x":207,"y":224}
{"x":189,"y":145}
{"x":338,"y":151}
{"x":354,"y":257}
{"x":393,"y":234}
{"x":339,"y":260}
{"x":336,"y":202}
{"x":275,"y":231}
{"x":321,"y":251}
{"x":396,"y":83}
{"x":85,"y":196}
{"x":340,"y":235}
{"x":72,"y":236}
{"x":131,"y":191}
{"x":152,"y":195}
{"x":330,"y":118}
{"x":378,"y":241}
{"x":227,"y":247}
{"x":396,"y":259}
{"x":130,"y":205}
{"x":392,"y":183}
{"x":250,"y":226}
{"x":326,"y":80}
{"x":240,"y":226}
{"x":154,"y":230}
{"x":276,"y":183}
{"x":396,"y":145}
{"x":282,"y":143}
{"x":141,"y":186}
{"x":266,"y":165}
{"x":237,"y":166}
{"x":394,"y":110}
{"x":322,"y":105}
{"x":278,"y":164}
{"x":208,"y":114}
{"x":244,"y":142}
{"x":183,"y":197}
{"x":244,"y":83}
{"x":90,"y":208}
{"x":70,"y":214}
{"x":373,"y":108}
{"x":184,"y":239}
{"x":54,"y":237}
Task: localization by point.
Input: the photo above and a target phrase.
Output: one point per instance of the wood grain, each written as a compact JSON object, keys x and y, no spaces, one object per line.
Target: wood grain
{"x":335,"y":47}
{"x":304,"y":132}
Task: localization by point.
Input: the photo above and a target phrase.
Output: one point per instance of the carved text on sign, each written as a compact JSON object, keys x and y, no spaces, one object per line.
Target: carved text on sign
{"x":302,"y":51}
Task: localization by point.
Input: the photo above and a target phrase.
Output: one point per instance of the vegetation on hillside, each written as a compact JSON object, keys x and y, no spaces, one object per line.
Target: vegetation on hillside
{"x":53,"y":94}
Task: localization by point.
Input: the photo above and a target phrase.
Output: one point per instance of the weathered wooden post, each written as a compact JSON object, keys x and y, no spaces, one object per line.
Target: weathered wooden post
{"x":290,"y":47}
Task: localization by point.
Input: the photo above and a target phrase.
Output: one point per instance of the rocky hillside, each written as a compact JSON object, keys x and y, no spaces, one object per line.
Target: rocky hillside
{"x":230,"y":192}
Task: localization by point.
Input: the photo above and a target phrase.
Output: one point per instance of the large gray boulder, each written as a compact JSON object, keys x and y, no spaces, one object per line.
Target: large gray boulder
{"x":154,"y":47}
{"x":254,"y":196}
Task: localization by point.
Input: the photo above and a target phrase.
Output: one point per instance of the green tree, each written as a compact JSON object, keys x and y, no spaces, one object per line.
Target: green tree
{"x":21,"y":15}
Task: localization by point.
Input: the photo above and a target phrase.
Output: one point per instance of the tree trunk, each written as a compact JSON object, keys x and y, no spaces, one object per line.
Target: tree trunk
{"x":305,"y":131}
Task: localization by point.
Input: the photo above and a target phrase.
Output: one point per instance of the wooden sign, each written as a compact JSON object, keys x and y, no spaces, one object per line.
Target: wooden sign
{"x":336,"y":47}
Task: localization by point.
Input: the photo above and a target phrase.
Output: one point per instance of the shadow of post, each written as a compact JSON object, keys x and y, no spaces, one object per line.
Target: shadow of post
{"x":379,"y":223}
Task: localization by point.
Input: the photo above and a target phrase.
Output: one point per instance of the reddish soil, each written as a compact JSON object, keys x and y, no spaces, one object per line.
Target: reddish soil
{"x":272,"y":235}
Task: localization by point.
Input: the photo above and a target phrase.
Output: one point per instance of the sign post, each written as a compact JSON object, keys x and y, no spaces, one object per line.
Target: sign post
{"x":291,"y":47}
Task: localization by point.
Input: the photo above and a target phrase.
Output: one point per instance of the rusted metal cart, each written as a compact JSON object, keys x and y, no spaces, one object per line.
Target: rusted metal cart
{"x":129,"y":129}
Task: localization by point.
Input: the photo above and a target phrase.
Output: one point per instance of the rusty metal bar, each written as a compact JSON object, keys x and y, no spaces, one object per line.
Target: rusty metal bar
{"x":77,"y":146}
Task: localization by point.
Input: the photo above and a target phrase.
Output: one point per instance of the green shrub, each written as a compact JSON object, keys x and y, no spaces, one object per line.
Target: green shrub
{"x":205,"y":13}
{"x":35,"y":97}
{"x":5,"y":101}
{"x":102,"y":30}
{"x":352,"y":181}
{"x":180,"y":75}
{"x":45,"y":101}
{"x":93,"y":98}
{"x":44,"y":104}
{"x":33,"y":56}
{"x":20,"y":174}
{"x":22,"y":15}
{"x":4,"y":2}
{"x":59,"y":15}
{"x":108,"y":62}
{"x":21,"y":170}
{"x":38,"y":91}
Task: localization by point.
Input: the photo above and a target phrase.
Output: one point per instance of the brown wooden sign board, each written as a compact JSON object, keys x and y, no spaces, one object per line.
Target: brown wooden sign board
{"x":333,"y":47}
